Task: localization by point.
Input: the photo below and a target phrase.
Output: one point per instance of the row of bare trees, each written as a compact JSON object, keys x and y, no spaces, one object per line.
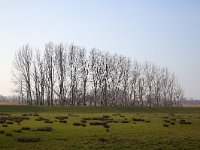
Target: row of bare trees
{"x":68,"y":75}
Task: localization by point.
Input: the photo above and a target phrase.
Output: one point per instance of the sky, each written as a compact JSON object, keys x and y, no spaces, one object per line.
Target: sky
{"x":165,"y":32}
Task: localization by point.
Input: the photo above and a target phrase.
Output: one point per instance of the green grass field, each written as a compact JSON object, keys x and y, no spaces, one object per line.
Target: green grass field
{"x":120,"y":128}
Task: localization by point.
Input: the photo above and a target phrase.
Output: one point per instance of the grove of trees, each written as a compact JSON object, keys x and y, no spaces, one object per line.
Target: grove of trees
{"x":69,"y":75}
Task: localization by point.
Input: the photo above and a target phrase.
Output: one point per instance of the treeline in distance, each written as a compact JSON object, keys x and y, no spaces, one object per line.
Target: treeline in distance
{"x":68,"y":75}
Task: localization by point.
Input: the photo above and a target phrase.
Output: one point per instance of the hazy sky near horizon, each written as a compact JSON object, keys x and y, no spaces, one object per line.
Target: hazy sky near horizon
{"x":166,"y":32}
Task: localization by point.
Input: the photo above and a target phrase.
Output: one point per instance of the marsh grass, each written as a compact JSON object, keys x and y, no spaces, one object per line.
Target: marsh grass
{"x":106,"y":128}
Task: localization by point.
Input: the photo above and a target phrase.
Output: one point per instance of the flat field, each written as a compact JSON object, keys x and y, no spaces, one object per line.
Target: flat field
{"x":63,"y":128}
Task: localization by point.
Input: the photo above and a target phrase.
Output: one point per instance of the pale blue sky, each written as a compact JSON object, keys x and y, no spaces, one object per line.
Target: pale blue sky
{"x":166,"y":32}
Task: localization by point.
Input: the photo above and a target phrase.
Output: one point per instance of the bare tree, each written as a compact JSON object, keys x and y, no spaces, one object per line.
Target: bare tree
{"x":171,"y":88}
{"x":179,"y":95}
{"x":134,"y":82}
{"x":114,"y":75}
{"x":22,"y":65}
{"x":126,"y":70}
{"x":19,"y":87}
{"x":165,"y":82}
{"x":103,"y":74}
{"x":73,"y":68}
{"x":150,"y":71}
{"x":36,"y":82}
{"x":142,"y":86}
{"x":61,"y":61}
{"x":41,"y":74}
{"x":94,"y":71}
{"x":49,"y":72}
{"x":84,"y":71}
{"x":157,"y":87}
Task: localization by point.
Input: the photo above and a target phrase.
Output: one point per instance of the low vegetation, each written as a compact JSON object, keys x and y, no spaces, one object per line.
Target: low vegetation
{"x":99,"y":128}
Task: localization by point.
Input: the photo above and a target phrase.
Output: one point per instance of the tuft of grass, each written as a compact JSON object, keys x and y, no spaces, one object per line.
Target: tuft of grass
{"x":47,"y":129}
{"x":25,"y":128}
{"x":77,"y":124}
{"x":185,"y":122}
{"x":97,"y":123}
{"x":2,"y":132}
{"x":165,"y":125}
{"x":5,"y":125}
{"x":125,"y":121}
{"x":22,"y":139}
{"x":8,"y":134}
{"x":138,"y":119}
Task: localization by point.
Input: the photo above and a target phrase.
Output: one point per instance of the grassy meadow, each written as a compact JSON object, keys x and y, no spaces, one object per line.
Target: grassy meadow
{"x":62,"y":128}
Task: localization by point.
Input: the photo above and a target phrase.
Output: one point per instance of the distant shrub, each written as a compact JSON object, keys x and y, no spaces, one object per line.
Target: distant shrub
{"x":83,"y":121}
{"x":116,"y":114}
{"x":72,"y":115}
{"x":106,"y":116}
{"x":172,"y":123}
{"x":125,"y":121}
{"x":102,"y":140}
{"x":2,"y":121}
{"x":4,"y":125}
{"x":25,"y":128}
{"x":8,"y":134}
{"x":86,"y":118}
{"x":185,"y":122}
{"x":18,"y":121}
{"x":62,"y":117}
{"x":63,"y":121}
{"x":18,"y":131}
{"x":48,"y":121}
{"x":166,"y":121}
{"x":106,"y":126}
{"x":77,"y":124}
{"x":4,"y":114}
{"x":83,"y":124}
{"x":173,"y":119}
{"x":165,"y":125}
{"x":9,"y":122}
{"x":21,"y":118}
{"x":22,"y":139}
{"x":107,"y":130}
{"x":40,"y":119}
{"x":171,"y":114}
{"x":101,"y":118}
{"x":36,"y":114}
{"x":61,"y":139}
{"x":1,"y":132}
{"x":138,"y":119}
{"x":114,"y":121}
{"x":47,"y":129}
{"x":97,"y":123}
